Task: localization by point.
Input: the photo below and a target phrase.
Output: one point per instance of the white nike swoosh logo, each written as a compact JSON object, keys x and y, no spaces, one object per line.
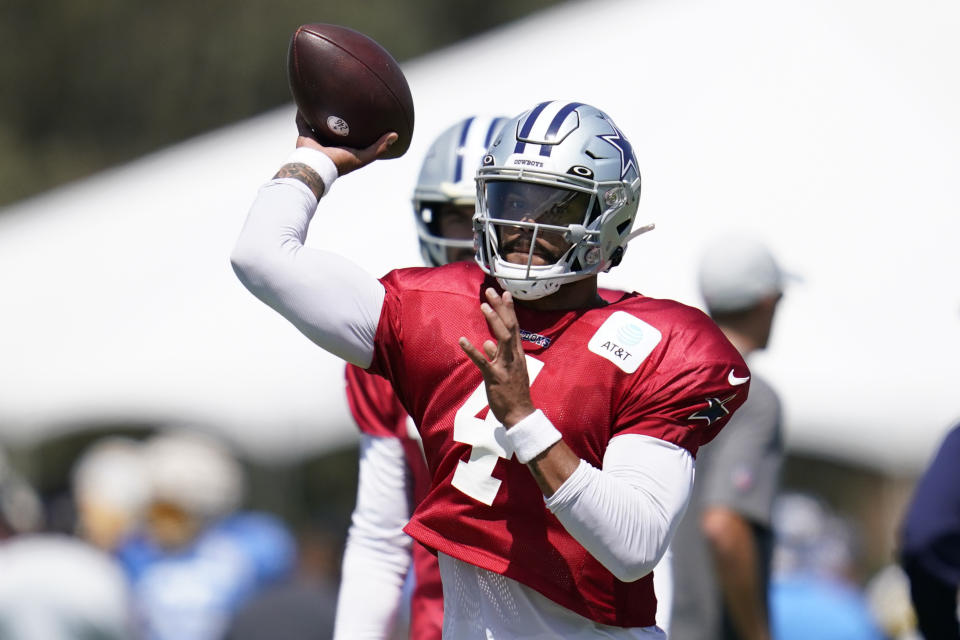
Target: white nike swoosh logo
{"x":734,"y":380}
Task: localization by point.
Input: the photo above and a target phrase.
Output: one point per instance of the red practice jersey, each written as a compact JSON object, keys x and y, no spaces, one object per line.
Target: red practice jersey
{"x":377,"y":412}
{"x":635,"y":366}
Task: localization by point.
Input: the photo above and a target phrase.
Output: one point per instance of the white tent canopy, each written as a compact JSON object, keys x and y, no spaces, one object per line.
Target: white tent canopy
{"x":827,"y":129}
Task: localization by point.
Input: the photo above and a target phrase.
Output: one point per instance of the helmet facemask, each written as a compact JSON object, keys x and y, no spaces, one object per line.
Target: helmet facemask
{"x":445,"y":231}
{"x":535,"y":233}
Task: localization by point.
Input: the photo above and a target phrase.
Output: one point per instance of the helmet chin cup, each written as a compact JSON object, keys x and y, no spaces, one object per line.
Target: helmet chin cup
{"x":524,"y":283}
{"x":529,"y":289}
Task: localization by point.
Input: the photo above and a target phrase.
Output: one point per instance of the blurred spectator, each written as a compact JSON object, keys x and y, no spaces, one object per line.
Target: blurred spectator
{"x":930,"y":543}
{"x":812,"y":594}
{"x":199,"y":559}
{"x":111,"y":490}
{"x":54,"y":587}
{"x":20,"y":507}
{"x":721,"y":551}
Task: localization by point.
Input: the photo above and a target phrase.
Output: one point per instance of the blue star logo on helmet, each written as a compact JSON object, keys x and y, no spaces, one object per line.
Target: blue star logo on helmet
{"x":620,"y":142}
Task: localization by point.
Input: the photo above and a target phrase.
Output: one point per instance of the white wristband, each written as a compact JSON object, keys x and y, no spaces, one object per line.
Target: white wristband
{"x":532,"y":436}
{"x":319,"y":162}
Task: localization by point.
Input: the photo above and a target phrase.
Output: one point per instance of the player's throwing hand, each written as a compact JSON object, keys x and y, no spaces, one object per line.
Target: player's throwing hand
{"x":504,"y":368}
{"x":345,"y":158}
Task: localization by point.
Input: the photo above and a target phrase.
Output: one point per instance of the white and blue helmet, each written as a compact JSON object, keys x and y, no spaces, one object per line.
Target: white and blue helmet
{"x":561,"y":168}
{"x":448,"y":177}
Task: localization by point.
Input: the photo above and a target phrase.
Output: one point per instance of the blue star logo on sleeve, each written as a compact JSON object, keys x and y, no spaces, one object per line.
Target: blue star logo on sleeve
{"x":715,"y":410}
{"x":623,"y":146}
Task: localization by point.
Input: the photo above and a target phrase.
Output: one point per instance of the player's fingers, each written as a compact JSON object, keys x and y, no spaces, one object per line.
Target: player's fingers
{"x":495,"y":323}
{"x":507,"y":298}
{"x":503,"y":306}
{"x":490,"y":348}
{"x":378,"y":148}
{"x":303,"y":141}
{"x":474,"y":354}
{"x":348,"y":159}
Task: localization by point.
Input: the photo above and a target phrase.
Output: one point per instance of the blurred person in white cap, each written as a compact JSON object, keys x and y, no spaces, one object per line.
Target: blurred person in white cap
{"x":195,"y":480}
{"x":722,"y":550}
{"x":111,"y":490}
{"x":200,"y":557}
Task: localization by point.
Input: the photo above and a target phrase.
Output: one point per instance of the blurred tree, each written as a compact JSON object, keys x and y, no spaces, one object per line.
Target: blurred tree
{"x":90,"y":83}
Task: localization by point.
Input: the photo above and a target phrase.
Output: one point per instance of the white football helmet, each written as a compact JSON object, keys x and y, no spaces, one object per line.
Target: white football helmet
{"x":447,"y":177}
{"x":560,"y":185}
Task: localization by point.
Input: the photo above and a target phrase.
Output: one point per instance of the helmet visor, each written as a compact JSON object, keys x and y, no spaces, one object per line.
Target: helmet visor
{"x":512,"y":201}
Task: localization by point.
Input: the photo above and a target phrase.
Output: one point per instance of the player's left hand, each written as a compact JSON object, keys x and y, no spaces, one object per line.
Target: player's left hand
{"x":502,"y":363}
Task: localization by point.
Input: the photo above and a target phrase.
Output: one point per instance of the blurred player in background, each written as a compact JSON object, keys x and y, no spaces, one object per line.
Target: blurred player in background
{"x":53,"y":586}
{"x":57,"y":587}
{"x":393,"y":472}
{"x":813,"y":593}
{"x":930,"y":543}
{"x":541,"y":530}
{"x":199,"y":558}
{"x":111,"y":490}
{"x":721,"y":553}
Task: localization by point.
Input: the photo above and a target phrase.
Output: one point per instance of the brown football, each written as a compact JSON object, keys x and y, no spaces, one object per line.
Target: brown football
{"x":349,"y":89}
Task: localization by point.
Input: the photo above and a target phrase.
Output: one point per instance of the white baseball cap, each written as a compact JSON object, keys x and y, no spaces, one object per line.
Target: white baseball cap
{"x":111,"y":471}
{"x":736,"y":272}
{"x":194,"y":471}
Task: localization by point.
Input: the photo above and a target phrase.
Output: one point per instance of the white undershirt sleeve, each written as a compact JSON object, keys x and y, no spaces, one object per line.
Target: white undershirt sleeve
{"x":625,"y":515}
{"x":377,"y":554}
{"x":331,"y":300}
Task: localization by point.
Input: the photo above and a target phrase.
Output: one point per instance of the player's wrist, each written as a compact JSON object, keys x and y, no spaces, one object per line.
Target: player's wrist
{"x":532,"y":435}
{"x":312,"y":167}
{"x":517,"y":414}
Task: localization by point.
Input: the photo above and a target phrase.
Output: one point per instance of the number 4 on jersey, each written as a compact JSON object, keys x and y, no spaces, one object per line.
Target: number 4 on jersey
{"x":489,"y":441}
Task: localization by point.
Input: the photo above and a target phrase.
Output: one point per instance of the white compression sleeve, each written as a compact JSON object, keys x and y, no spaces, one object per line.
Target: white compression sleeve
{"x":625,"y":515}
{"x":331,"y":300}
{"x":377,"y":553}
